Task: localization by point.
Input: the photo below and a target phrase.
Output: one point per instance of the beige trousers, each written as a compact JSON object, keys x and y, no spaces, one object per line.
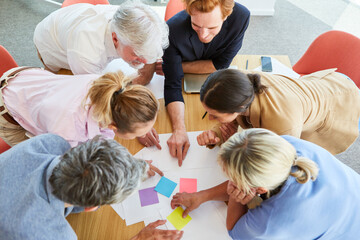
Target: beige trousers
{"x":12,"y":134}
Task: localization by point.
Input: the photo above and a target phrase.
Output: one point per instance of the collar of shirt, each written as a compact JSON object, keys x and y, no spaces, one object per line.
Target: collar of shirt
{"x":94,"y":128}
{"x":109,"y":44}
{"x":54,"y":201}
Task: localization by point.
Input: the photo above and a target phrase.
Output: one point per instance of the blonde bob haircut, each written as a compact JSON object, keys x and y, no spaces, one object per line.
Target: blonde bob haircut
{"x":114,"y":100}
{"x":205,"y":6}
{"x":260,"y":158}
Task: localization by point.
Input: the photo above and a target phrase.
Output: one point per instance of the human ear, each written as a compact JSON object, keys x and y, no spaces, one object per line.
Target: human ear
{"x":261,"y":190}
{"x":115,"y":39}
{"x":90,"y":209}
{"x":112,"y":127}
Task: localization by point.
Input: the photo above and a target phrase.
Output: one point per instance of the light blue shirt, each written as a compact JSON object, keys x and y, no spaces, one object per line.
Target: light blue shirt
{"x":328,"y":208}
{"x":28,"y":210}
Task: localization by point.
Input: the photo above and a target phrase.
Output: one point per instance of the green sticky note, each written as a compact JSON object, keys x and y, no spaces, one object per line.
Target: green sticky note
{"x":177,"y":220}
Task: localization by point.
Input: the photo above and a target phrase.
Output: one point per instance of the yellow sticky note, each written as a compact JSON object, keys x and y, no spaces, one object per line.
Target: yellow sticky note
{"x":177,"y":220}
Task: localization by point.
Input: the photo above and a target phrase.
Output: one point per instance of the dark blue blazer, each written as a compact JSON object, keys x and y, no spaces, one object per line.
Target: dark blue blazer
{"x":185,"y":46}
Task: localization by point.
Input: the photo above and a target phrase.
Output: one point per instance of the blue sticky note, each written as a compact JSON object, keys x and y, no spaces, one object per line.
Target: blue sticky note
{"x":165,"y":186}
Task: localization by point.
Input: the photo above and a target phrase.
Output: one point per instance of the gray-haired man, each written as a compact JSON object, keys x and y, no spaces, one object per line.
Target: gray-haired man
{"x":42,"y":179}
{"x":85,"y":38}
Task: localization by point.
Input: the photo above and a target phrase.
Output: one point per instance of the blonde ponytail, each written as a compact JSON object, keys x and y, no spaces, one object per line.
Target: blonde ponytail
{"x":307,"y":169}
{"x":257,"y":157}
{"x":115,"y":101}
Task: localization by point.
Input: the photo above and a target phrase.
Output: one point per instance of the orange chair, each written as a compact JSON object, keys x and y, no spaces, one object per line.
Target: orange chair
{"x":7,"y":61}
{"x":333,"y":49}
{"x":93,"y":2}
{"x":173,"y":7}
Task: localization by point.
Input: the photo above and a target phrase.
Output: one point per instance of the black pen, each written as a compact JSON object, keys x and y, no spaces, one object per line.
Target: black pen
{"x":204,"y":115}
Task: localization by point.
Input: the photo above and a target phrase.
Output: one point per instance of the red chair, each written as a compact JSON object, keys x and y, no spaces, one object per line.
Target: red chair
{"x":93,"y":2}
{"x":333,"y":49}
{"x":3,"y":146}
{"x":173,"y":7}
{"x":7,"y":61}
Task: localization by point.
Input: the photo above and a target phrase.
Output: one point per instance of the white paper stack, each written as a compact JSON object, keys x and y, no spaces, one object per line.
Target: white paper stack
{"x":208,"y":221}
{"x":156,"y":84}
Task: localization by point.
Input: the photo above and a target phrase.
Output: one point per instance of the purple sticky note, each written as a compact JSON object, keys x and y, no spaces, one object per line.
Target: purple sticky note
{"x":148,"y":196}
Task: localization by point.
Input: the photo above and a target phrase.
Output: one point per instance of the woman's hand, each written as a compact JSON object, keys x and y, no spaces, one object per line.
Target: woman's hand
{"x":150,"y":232}
{"x":152,"y":169}
{"x":228,"y":129}
{"x":189,"y":200}
{"x":238,"y":195}
{"x":150,"y":139}
{"x":208,"y":137}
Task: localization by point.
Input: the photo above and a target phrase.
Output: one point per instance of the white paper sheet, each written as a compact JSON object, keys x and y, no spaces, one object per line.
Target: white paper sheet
{"x":209,"y":220}
{"x":154,"y":218}
{"x":281,"y":69}
{"x":133,"y":212}
{"x":119,"y":209}
{"x":197,"y":156}
{"x":156,"y":84}
{"x":119,"y":65}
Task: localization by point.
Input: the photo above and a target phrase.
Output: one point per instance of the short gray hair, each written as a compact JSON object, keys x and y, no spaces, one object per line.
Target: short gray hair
{"x":96,"y":173}
{"x":139,"y":26}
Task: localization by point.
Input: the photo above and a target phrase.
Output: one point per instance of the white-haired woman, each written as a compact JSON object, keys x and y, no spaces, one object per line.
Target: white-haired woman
{"x":302,"y":198}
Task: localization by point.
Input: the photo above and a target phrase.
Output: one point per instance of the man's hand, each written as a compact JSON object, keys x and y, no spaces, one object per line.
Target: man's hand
{"x":150,"y":232}
{"x":208,"y":138}
{"x":179,"y":145}
{"x":189,"y":200}
{"x":145,"y":74}
{"x":228,"y":129}
{"x":150,"y":139}
{"x":152,"y":169}
{"x":238,"y":195}
{"x":158,"y":67}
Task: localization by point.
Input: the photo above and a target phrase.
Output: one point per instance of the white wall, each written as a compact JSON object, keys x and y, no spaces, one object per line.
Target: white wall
{"x":259,"y":7}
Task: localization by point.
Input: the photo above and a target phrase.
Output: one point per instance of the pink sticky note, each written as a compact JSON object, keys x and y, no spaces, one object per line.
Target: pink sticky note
{"x":188,"y":185}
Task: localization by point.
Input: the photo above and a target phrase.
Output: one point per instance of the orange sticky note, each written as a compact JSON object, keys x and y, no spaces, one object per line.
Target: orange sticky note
{"x":188,"y":185}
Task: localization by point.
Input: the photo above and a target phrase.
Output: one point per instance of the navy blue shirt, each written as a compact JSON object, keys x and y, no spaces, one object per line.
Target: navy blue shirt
{"x":185,"y":46}
{"x":28,"y":209}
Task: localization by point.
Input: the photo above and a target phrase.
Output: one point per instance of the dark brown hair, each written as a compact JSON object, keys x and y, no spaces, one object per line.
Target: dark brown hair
{"x":229,"y":90}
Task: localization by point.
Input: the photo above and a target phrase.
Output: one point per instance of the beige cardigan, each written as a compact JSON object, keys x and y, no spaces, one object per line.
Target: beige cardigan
{"x":323,"y":108}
